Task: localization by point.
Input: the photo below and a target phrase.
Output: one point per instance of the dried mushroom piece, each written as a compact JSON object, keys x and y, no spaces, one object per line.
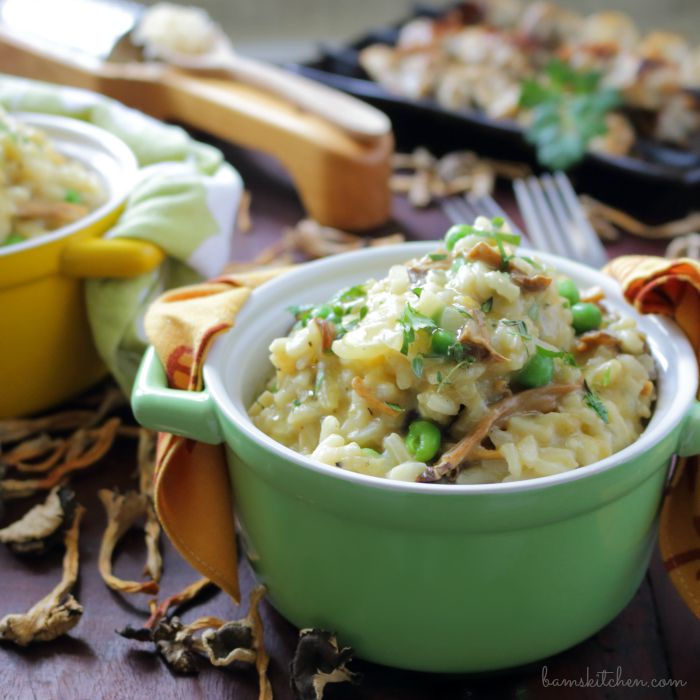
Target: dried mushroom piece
{"x":312,"y":240}
{"x":223,"y":643}
{"x":122,"y":510}
{"x":42,"y":526}
{"x":56,"y":613}
{"x":85,"y":447}
{"x":606,"y":220}
{"x":159,"y":611}
{"x":147,"y":464}
{"x":317,"y":662}
{"x":242,"y":640}
{"x":15,"y":429}
{"x":171,"y":640}
{"x":37,"y":454}
{"x":424,"y":178}
{"x":542,"y":399}
{"x":684,"y":247}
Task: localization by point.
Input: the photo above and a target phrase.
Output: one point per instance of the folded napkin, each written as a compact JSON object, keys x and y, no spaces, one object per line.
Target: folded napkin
{"x":192,"y":490}
{"x":185,"y":202}
{"x":672,"y":288}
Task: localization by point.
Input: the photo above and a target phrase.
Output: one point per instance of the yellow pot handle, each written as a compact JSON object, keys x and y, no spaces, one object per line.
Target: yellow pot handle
{"x":110,"y":257}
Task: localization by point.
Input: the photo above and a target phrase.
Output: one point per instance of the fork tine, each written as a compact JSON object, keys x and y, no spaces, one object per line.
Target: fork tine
{"x":535,"y":228}
{"x":567,"y":236}
{"x":489,"y":207}
{"x":554,"y":234}
{"x":458,"y":210}
{"x":593,"y":251}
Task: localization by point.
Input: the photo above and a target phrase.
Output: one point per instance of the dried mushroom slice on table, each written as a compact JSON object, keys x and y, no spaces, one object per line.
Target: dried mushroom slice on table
{"x":42,"y":526}
{"x":222,"y":643}
{"x":85,"y":447}
{"x":122,"y":510}
{"x":317,"y":662}
{"x":56,"y":613}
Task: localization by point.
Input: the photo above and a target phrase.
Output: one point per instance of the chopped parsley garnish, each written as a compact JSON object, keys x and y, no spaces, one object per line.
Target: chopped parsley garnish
{"x":519,"y":328}
{"x":417,"y":366}
{"x":487,"y":305}
{"x":296,"y":402}
{"x":412,"y":321}
{"x":352,"y":293}
{"x":459,"y":231}
{"x":567,"y":357}
{"x":458,"y":262}
{"x":335,"y":311}
{"x":395,"y":406}
{"x":72,"y":196}
{"x":273,"y":389}
{"x":605,"y":379}
{"x":462,"y":310}
{"x":417,"y":291}
{"x":446,"y":380}
{"x":532,"y":262}
{"x":593,"y":401}
{"x":320,"y":378}
{"x":435,"y":257}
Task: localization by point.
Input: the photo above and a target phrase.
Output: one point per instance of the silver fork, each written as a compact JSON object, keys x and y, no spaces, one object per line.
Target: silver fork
{"x":464,"y":209}
{"x":555,"y":219}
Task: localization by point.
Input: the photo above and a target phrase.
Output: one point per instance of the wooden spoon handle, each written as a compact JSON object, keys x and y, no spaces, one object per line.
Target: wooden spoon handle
{"x":352,"y":115}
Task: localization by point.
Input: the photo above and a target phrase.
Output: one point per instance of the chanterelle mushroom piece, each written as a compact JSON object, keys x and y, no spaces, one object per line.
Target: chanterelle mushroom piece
{"x":317,"y":662}
{"x":59,"y":611}
{"x":41,"y":526}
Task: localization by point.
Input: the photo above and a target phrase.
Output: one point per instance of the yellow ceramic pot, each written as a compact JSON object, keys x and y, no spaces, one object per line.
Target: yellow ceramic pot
{"x":47,"y":354}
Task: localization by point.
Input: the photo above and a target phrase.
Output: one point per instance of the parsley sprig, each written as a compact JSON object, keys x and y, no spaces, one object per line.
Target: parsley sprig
{"x":568,"y":110}
{"x":593,"y":401}
{"x":339,"y":310}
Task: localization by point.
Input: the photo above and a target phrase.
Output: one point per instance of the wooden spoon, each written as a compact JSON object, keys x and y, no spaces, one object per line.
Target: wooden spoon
{"x":358,"y":119}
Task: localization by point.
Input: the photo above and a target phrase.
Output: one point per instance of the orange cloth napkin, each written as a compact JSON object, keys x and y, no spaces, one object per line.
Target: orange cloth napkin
{"x":192,"y":491}
{"x":672,"y":288}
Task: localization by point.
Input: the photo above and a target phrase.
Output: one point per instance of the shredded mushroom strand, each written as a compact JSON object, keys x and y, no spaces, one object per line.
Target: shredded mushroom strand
{"x":56,"y":613}
{"x":542,"y":399}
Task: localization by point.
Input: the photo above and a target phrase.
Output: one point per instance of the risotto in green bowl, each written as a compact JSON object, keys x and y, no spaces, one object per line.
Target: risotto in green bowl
{"x":474,"y":364}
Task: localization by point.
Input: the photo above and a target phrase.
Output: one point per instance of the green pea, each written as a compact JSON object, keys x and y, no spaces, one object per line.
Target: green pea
{"x":537,"y":372}
{"x":456,"y":233}
{"x":568,"y":290}
{"x":586,"y":317}
{"x":423,"y":440}
{"x":442,"y":341}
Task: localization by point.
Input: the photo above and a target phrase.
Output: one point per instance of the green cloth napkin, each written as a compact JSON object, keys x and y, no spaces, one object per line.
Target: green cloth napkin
{"x":185,"y":202}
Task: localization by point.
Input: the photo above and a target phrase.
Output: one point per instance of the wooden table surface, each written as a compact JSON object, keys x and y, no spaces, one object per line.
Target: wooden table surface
{"x":654,"y":639}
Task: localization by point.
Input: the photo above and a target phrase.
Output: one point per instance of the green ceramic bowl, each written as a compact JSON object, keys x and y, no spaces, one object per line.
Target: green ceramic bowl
{"x":431,"y":577}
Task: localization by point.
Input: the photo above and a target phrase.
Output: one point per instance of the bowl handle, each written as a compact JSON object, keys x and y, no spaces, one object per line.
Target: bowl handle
{"x":690,"y":436}
{"x":110,"y":257}
{"x":191,"y":414}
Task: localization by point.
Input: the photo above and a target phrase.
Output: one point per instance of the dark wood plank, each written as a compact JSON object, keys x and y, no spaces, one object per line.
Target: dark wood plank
{"x":680,"y":631}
